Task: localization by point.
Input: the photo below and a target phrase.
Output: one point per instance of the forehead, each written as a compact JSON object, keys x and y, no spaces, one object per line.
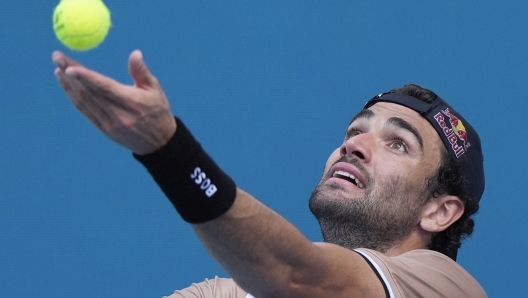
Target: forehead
{"x":383,"y":111}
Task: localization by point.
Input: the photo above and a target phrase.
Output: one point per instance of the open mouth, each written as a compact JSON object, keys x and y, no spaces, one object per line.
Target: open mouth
{"x":348,"y":177}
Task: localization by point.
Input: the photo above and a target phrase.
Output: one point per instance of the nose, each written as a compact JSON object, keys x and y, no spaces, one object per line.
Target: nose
{"x":359,"y":147}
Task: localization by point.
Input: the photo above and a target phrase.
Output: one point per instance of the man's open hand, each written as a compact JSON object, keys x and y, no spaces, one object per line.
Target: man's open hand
{"x":137,"y":117}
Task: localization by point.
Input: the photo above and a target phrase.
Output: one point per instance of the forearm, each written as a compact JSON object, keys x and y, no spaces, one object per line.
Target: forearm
{"x":263,"y":252}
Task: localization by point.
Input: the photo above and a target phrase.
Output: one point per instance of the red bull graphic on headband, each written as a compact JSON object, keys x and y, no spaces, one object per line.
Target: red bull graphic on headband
{"x":455,"y":133}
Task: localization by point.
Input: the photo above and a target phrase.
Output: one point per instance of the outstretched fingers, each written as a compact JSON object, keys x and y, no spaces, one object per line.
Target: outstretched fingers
{"x":62,"y":61}
{"x":98,"y":83}
{"x":81,"y":100}
{"x":118,"y":102}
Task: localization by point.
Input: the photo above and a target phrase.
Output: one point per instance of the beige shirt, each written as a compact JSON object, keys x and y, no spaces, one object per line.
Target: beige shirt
{"x":212,"y":288}
{"x":422,"y":273}
{"x":418,"y":273}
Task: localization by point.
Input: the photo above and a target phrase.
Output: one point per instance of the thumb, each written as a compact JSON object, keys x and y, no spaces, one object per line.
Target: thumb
{"x":139,"y":71}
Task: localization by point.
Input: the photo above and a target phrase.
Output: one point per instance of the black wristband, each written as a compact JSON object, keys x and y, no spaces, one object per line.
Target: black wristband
{"x":197,"y":187}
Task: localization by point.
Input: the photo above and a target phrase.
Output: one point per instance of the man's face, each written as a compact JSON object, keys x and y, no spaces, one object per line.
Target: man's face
{"x":374,"y":186}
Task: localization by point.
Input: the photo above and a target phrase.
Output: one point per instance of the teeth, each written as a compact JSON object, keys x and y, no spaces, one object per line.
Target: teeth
{"x":346,"y":174}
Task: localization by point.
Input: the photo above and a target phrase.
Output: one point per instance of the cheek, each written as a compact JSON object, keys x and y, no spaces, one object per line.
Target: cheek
{"x":387,"y":169}
{"x":332,"y":159}
{"x":430,"y":164}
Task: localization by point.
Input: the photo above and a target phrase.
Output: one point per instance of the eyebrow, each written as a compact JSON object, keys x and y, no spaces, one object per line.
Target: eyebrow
{"x":363,"y":114}
{"x":395,"y":121}
{"x":400,"y":123}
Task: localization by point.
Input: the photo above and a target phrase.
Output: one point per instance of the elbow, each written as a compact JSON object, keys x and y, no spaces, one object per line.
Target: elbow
{"x":290,"y":284}
{"x":293,"y":284}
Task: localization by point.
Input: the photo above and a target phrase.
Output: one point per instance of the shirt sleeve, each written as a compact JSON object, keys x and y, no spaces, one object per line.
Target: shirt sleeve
{"x":211,"y":288}
{"x":422,"y":273}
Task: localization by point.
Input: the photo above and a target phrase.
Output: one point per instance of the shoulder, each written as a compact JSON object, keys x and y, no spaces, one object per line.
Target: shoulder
{"x":424,"y":272}
{"x":212,"y":288}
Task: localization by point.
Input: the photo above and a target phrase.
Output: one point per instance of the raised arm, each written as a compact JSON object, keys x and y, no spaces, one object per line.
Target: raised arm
{"x":269,"y":257}
{"x":264,"y":253}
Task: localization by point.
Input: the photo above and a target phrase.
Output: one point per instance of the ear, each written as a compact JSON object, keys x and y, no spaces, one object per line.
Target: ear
{"x":440,"y":213}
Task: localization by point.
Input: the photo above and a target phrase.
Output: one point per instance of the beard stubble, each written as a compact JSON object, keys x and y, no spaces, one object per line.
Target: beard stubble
{"x":382,"y":218}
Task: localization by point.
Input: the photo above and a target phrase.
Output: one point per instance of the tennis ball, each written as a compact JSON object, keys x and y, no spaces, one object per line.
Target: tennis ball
{"x":81,"y":24}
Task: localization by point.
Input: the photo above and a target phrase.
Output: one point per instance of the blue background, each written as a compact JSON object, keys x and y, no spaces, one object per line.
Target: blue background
{"x":268,"y":87}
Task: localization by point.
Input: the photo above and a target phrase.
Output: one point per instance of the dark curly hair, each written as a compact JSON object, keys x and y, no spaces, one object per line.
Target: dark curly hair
{"x":447,"y":180}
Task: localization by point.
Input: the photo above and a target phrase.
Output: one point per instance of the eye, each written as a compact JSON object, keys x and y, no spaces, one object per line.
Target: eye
{"x":399,"y":145}
{"x":352,"y":133}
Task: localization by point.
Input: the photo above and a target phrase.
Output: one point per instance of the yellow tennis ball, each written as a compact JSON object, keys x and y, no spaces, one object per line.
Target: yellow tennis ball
{"x":81,"y":24}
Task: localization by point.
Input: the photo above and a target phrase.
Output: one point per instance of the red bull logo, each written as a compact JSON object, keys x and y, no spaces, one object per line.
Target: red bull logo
{"x":455,"y":133}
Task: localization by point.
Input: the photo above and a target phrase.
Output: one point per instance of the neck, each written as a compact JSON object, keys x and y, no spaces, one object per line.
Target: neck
{"x":417,"y":239}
